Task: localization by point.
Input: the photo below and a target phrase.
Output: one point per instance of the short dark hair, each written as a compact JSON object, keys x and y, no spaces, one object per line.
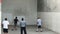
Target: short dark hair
{"x":5,"y":18}
{"x":16,"y":17}
{"x":22,"y":19}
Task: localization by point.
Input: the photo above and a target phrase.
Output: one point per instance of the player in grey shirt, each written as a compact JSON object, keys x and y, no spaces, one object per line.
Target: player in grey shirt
{"x":23,"y":26}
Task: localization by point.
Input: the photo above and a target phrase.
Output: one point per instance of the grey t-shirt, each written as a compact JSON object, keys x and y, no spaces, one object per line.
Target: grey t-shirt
{"x":23,"y":24}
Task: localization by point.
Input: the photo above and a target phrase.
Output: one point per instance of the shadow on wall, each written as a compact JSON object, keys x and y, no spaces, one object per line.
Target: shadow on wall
{"x":40,"y":5}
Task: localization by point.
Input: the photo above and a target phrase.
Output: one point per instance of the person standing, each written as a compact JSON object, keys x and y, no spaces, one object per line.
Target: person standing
{"x":39,"y":21}
{"x":5,"y":26}
{"x":23,"y":26}
{"x":15,"y":23}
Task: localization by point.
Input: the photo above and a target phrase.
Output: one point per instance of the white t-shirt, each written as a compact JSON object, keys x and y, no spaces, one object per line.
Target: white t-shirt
{"x":38,"y":22}
{"x":5,"y":24}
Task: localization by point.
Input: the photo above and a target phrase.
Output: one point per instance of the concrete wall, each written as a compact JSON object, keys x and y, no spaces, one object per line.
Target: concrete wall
{"x":40,"y":5}
{"x":51,"y":15}
{"x":0,"y":16}
{"x":56,"y":22}
{"x":27,"y":8}
{"x":46,"y":19}
{"x":50,"y":20}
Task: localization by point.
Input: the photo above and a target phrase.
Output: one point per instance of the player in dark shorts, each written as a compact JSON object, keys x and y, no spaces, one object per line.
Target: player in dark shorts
{"x":15,"y":23}
{"x":39,"y":21}
{"x":5,"y":30}
{"x":5,"y":26}
{"x":39,"y":26}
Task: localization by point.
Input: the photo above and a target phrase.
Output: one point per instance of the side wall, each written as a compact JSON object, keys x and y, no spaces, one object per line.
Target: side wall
{"x":51,"y":15}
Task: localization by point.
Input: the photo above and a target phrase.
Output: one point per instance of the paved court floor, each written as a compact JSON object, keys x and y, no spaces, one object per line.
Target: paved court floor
{"x":30,"y":30}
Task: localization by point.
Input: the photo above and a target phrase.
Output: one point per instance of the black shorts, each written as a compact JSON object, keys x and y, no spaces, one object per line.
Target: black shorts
{"x":39,"y":26}
{"x":15,"y":24}
{"x":5,"y":30}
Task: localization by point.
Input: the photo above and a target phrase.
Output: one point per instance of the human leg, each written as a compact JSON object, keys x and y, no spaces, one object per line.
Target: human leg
{"x":25,"y":30}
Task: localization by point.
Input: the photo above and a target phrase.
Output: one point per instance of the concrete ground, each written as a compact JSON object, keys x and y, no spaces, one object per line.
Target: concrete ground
{"x":30,"y":30}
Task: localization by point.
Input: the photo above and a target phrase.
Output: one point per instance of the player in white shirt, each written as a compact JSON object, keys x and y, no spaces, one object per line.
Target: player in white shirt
{"x":39,"y":21}
{"x":5,"y":26}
